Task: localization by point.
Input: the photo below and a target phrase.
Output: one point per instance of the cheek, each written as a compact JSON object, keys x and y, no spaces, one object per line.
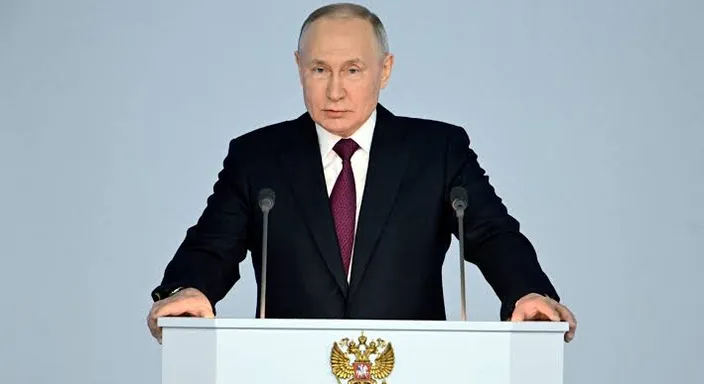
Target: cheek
{"x":314,"y":91}
{"x":361,"y":91}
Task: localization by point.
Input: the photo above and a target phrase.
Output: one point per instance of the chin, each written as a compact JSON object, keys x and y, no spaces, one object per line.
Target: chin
{"x":340,"y":127}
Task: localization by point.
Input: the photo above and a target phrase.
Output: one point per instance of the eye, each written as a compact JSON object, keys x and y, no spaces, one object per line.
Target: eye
{"x":318,"y":70}
{"x":353,"y":70}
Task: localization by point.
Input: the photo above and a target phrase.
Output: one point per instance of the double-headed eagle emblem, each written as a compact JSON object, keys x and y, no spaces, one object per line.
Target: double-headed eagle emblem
{"x":362,"y":361}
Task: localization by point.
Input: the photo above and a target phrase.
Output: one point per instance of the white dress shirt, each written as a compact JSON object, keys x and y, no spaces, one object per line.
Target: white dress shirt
{"x":332,"y":163}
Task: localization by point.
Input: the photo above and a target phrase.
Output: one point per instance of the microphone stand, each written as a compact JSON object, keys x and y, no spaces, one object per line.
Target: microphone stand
{"x":266,"y":203}
{"x":459,"y":198}
{"x":460,"y":224}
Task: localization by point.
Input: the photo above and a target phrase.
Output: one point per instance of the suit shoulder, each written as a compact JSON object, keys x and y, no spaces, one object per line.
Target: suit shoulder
{"x":432,"y":129}
{"x":263,"y":136}
{"x":258,"y":145}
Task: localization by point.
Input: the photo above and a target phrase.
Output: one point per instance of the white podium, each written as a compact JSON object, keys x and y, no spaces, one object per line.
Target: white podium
{"x":239,"y":351}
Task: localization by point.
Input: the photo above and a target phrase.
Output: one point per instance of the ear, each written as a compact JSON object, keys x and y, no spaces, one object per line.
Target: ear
{"x":297,"y":57}
{"x":386,"y":69}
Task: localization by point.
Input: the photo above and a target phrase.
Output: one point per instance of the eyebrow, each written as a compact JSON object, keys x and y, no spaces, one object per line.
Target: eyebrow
{"x":355,"y":61}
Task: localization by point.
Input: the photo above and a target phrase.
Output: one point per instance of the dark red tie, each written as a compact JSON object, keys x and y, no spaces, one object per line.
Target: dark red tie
{"x":343,"y":201}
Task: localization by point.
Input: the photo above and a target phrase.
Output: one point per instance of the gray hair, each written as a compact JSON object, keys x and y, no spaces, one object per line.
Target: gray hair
{"x":348,"y":10}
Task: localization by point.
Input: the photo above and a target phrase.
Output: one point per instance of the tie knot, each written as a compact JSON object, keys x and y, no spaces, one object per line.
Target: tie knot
{"x":345,"y":148}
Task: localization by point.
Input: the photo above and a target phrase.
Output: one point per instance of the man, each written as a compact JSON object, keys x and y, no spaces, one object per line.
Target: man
{"x":362,"y":218}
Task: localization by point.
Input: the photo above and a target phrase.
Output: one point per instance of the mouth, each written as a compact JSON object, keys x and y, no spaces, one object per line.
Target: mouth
{"x":335,"y":112}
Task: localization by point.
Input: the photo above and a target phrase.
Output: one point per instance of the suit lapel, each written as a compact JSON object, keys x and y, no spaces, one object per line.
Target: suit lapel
{"x":303,"y":167}
{"x":387,"y":165}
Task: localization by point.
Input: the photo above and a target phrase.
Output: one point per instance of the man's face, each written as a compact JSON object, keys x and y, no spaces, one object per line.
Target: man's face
{"x":342,"y":69}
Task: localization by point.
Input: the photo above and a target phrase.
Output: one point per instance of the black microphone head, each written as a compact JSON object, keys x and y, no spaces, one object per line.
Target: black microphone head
{"x":266,"y":199}
{"x":458,"y":197}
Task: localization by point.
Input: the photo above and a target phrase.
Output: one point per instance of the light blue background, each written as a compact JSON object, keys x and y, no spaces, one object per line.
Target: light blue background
{"x":115,"y":117}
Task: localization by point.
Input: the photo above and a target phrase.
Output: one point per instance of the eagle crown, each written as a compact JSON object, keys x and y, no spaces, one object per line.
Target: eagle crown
{"x":362,"y":350}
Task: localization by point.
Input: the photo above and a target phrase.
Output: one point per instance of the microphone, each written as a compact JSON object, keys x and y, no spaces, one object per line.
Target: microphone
{"x":266,"y":203}
{"x":458,"y":197}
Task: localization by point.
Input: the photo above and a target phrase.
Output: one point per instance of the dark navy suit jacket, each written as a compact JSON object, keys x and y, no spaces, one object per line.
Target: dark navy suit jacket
{"x":405,"y":226}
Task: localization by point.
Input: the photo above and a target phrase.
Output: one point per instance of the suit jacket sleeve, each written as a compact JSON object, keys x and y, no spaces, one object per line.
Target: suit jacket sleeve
{"x":208,"y":259}
{"x":493,"y":241}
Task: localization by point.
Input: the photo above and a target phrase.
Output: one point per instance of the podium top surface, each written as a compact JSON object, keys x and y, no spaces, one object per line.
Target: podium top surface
{"x":346,"y":324}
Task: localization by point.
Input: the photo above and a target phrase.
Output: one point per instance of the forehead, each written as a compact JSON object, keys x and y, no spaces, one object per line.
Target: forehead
{"x":339,"y":36}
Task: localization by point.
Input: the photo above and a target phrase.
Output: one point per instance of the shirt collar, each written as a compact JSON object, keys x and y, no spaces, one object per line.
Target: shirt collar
{"x":363,"y":136}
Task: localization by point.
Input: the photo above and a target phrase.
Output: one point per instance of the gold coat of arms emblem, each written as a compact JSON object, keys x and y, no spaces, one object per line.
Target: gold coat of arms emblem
{"x":362,"y":361}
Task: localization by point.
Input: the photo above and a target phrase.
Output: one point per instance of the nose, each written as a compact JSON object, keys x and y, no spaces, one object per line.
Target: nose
{"x":336,"y":90}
